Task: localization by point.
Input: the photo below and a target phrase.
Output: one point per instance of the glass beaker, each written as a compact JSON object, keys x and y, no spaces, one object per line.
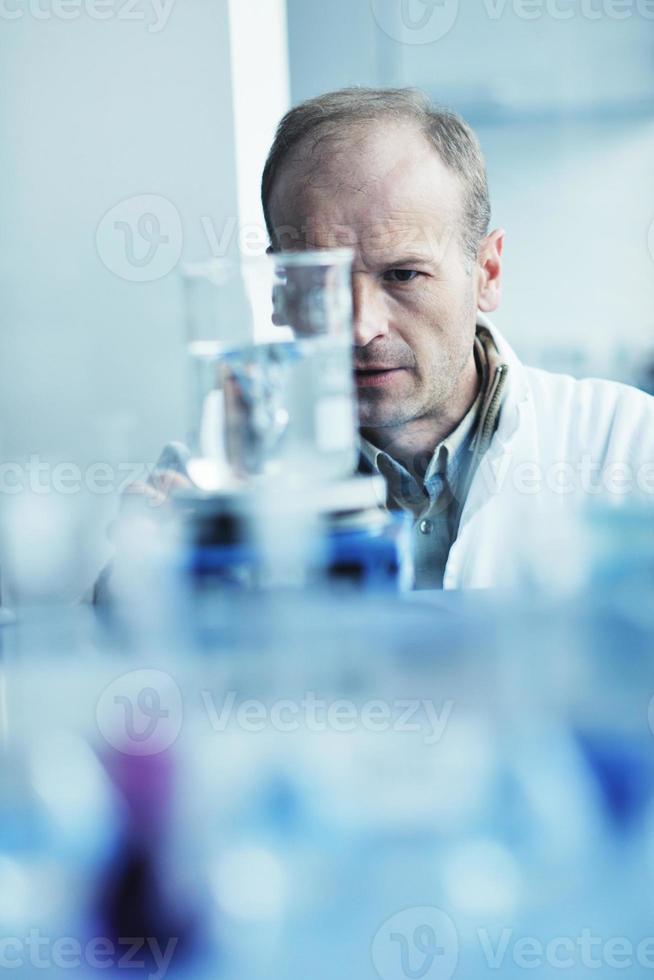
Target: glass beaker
{"x":271,"y":343}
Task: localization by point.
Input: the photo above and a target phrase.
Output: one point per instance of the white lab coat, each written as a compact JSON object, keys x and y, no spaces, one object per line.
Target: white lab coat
{"x":560,"y":446}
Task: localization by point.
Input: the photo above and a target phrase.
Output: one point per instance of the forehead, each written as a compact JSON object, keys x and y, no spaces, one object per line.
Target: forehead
{"x":381,"y":189}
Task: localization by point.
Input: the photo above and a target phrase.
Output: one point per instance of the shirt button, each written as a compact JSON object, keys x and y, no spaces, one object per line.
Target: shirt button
{"x":426,"y":527}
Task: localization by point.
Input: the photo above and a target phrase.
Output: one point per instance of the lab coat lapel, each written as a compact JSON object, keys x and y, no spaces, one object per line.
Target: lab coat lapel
{"x":478,"y":556}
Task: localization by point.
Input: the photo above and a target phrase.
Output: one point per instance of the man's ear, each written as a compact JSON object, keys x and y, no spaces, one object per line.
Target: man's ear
{"x":489,"y":271}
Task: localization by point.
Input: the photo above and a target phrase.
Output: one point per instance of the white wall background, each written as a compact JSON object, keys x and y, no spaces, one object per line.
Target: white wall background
{"x":489,"y":54}
{"x":93,"y":112}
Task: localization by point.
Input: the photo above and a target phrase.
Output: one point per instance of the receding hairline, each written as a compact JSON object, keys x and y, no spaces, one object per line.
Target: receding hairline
{"x":312,"y":183}
{"x":326,"y":118}
{"x":315,"y":150}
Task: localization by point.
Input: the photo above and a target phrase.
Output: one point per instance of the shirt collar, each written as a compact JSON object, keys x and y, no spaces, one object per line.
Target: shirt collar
{"x":446,"y":452}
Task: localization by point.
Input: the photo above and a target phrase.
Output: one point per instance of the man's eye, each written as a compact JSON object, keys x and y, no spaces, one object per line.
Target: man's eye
{"x":401,"y":275}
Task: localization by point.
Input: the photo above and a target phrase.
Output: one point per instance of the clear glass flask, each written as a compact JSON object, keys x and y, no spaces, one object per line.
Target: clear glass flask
{"x":270,"y":339}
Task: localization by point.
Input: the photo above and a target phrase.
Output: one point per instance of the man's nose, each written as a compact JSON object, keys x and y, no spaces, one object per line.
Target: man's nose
{"x":369,"y":310}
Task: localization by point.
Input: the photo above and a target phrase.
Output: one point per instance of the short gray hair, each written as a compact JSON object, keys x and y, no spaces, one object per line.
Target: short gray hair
{"x":450,"y":135}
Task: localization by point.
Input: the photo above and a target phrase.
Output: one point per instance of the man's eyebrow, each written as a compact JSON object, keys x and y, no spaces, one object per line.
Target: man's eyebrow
{"x":392,"y":261}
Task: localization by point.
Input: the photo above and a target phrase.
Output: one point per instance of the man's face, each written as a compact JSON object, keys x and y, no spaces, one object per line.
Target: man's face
{"x":384,"y":191}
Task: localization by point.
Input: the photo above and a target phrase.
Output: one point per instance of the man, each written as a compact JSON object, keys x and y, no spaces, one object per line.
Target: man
{"x":477,"y":447}
{"x":488,"y":456}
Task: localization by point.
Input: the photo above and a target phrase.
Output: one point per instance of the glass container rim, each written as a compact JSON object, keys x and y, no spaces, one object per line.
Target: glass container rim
{"x":318,"y":257}
{"x":314,"y":256}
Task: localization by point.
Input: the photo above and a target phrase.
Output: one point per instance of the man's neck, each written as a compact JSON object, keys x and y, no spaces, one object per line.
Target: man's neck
{"x":417,"y":439}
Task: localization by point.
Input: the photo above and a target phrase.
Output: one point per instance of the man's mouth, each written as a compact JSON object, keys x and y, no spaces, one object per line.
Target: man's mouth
{"x":374,"y":376}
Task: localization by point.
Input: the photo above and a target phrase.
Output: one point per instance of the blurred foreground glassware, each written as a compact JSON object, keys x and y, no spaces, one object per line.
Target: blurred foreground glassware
{"x":270,"y":339}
